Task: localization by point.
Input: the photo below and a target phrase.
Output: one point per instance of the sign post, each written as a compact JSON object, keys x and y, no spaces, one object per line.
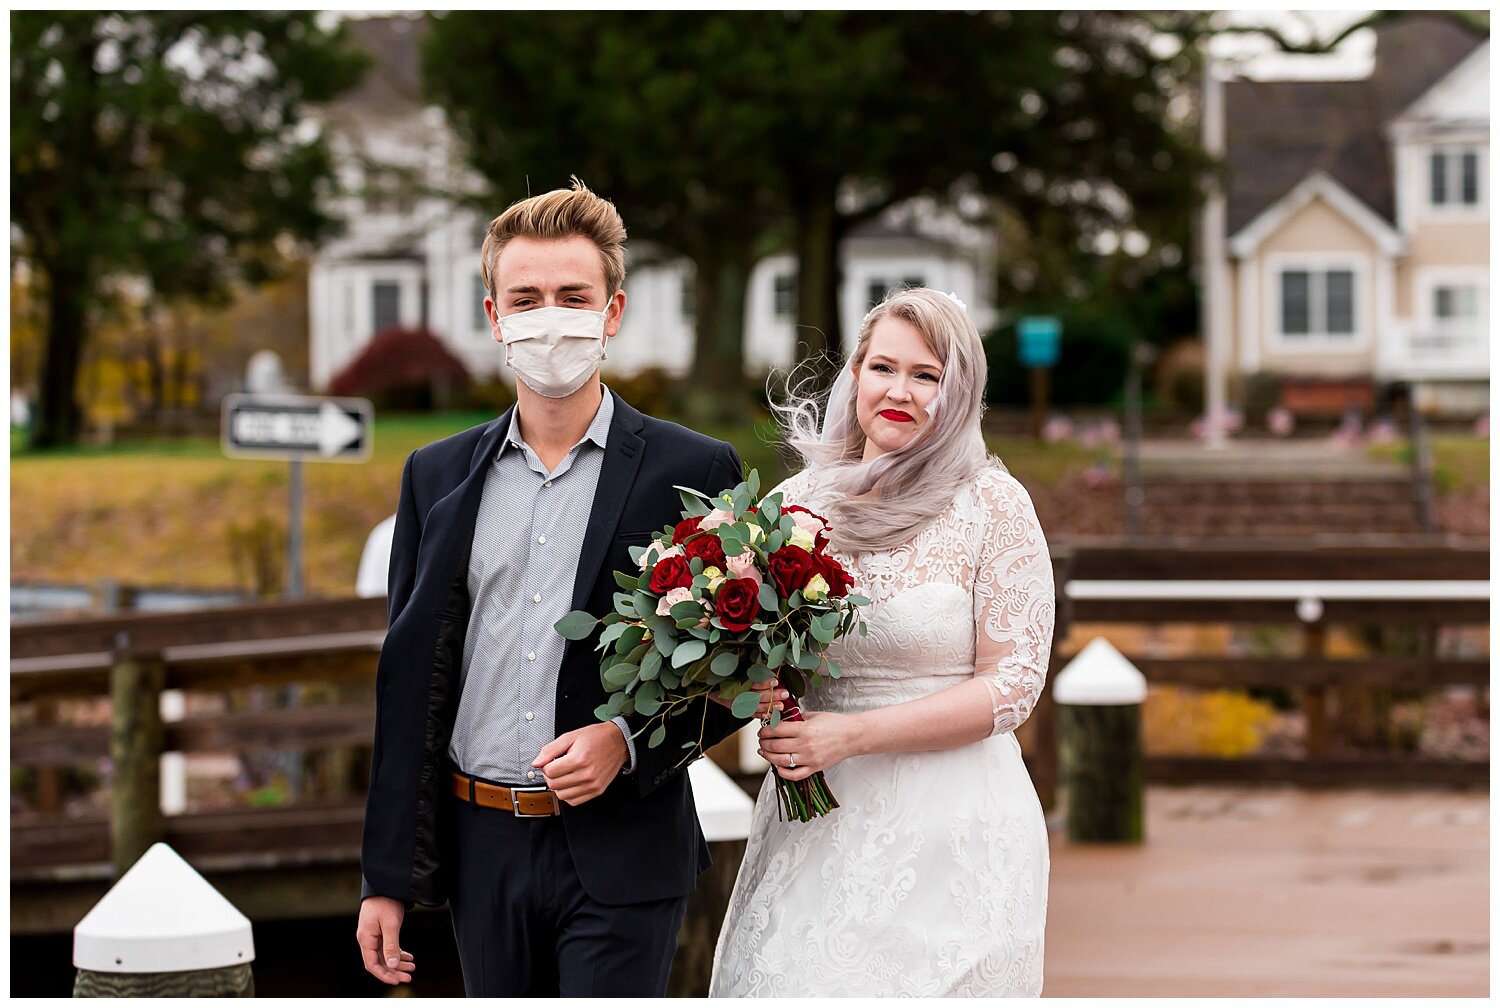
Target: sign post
{"x":297,"y":428}
{"x":1039,"y":342}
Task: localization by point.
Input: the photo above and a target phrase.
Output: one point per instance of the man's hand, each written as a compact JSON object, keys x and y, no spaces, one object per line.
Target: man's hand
{"x":770,"y":698}
{"x":379,"y":935}
{"x":578,"y":765}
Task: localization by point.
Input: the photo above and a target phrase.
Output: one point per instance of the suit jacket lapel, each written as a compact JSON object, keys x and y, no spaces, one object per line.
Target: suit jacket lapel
{"x":622,"y":459}
{"x":450,"y":523}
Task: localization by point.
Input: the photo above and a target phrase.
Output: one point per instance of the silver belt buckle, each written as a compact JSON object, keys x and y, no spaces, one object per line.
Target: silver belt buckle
{"x":515,"y":802}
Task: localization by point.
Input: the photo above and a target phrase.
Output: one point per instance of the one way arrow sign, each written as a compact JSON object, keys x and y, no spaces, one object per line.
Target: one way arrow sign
{"x":297,"y":427}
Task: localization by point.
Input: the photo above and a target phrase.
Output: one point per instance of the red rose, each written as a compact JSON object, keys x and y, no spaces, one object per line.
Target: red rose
{"x":671,"y":572}
{"x":707,"y":548}
{"x":737,"y":603}
{"x":791,"y":568}
{"x":685,"y":528}
{"x":839,"y":581}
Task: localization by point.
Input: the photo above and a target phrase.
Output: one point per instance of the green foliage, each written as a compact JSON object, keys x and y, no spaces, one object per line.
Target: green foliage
{"x":1091,"y":365}
{"x":164,"y":145}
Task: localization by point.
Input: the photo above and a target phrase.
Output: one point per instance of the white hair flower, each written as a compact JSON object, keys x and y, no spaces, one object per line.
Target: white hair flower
{"x":956,"y":300}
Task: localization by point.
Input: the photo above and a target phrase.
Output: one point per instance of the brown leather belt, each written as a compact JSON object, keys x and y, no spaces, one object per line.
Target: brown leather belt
{"x":526,"y":802}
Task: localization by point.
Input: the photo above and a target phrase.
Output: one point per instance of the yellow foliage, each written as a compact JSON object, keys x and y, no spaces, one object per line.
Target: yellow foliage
{"x":1182,"y":722}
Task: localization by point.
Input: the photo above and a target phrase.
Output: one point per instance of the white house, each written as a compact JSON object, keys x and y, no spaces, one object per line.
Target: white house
{"x":1358,"y":224}
{"x":411,"y":256}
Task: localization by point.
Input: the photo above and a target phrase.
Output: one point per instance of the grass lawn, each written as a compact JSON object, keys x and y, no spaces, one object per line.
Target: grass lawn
{"x":178,"y":513}
{"x":1459,"y":461}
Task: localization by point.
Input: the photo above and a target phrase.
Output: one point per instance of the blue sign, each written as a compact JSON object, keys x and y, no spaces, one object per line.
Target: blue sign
{"x":1039,"y":338}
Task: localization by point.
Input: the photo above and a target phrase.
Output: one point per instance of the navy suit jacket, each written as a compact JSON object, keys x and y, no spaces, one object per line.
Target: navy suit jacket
{"x":640,"y":839}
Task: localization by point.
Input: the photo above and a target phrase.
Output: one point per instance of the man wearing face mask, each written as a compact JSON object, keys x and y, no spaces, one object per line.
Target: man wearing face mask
{"x":565,"y":849}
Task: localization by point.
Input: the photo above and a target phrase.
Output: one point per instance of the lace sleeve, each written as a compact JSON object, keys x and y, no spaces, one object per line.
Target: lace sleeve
{"x":1014,"y":604}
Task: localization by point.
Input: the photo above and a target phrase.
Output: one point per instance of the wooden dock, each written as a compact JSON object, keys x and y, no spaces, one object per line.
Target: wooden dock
{"x":1273,"y":892}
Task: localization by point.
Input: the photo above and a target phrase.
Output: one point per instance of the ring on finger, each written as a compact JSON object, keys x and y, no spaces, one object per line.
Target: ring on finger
{"x":791,"y":761}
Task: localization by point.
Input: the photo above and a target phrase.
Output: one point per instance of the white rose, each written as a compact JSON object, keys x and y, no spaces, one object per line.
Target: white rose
{"x":801,"y":537}
{"x":816,"y":589}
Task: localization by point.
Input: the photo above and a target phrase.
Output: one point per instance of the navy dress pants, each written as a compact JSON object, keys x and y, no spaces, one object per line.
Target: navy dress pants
{"x":525,"y":926}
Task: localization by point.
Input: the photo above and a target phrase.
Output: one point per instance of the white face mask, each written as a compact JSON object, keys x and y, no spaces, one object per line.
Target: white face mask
{"x":554,"y":349}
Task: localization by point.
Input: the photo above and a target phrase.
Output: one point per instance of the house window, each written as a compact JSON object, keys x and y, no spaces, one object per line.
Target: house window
{"x":880,"y":287}
{"x":1317,"y":302}
{"x":1456,"y":304}
{"x":389,"y":191}
{"x":786,"y":295}
{"x":1453,"y":177}
{"x":387,"y":305}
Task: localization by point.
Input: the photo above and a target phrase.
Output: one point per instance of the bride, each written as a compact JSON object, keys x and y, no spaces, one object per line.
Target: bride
{"x":931,"y":877}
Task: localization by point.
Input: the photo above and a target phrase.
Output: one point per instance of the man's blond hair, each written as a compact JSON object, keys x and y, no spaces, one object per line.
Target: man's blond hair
{"x":561,"y":213}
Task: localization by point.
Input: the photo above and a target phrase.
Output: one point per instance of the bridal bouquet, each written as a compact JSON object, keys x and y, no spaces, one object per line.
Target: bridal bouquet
{"x":741,"y":589}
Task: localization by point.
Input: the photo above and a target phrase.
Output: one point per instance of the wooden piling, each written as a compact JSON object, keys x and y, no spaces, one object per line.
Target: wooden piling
{"x":135,"y":746}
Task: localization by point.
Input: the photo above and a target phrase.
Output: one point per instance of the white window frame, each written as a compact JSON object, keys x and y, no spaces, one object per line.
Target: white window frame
{"x":1453,"y":207}
{"x":1425,"y":283}
{"x":479,"y":322}
{"x":1317,"y":342}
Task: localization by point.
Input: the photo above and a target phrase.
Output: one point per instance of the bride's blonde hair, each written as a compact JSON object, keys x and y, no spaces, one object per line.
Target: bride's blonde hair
{"x":919,"y":481}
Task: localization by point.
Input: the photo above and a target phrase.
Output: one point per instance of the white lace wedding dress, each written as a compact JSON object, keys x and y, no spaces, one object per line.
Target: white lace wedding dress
{"x":930,"y":879}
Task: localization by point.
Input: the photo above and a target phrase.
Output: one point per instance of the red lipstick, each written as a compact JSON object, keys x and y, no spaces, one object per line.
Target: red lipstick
{"x":896,"y":416}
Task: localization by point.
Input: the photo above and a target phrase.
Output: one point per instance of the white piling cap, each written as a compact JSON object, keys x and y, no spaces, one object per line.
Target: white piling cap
{"x":1099,"y":675}
{"x":723,"y":806}
{"x":162,"y":917}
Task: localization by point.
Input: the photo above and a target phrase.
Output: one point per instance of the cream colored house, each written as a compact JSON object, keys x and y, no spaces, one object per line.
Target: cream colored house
{"x":1358,"y":226}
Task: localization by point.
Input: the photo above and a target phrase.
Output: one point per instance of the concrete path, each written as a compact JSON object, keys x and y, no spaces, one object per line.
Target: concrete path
{"x":1273,"y":892}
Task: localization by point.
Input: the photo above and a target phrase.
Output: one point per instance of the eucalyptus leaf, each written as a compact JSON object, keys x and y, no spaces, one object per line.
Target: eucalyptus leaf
{"x":775,"y":541}
{"x":821,"y":632}
{"x":631,"y":638}
{"x":792,"y":681}
{"x":602,"y":712}
{"x":745,"y":704}
{"x":650,"y":665}
{"x":768,"y":599}
{"x":647,"y":705}
{"x":688,"y":651}
{"x":777,"y":656}
{"x":612,"y":634}
{"x":833,"y":669}
{"x":576,"y":625}
{"x":752,"y":483}
{"x":758,"y":673}
{"x":684,"y":610}
{"x":636,"y":552}
{"x":619,"y":676}
{"x":775,"y":718}
{"x":809,"y":660}
{"x":724,"y":664}
{"x":624,"y":604}
{"x":625,"y":580}
{"x":658,"y":737}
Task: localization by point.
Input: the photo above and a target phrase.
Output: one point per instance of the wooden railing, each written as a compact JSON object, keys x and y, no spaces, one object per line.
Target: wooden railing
{"x":117,"y":668}
{"x":1311,"y":586}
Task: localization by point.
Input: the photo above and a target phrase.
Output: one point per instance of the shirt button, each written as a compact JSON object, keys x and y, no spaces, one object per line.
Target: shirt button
{"x":531,"y":656}
{"x":548,"y":483}
{"x":531,"y":775}
{"x":542,"y":540}
{"x":529,"y":715}
{"x":536,"y":598}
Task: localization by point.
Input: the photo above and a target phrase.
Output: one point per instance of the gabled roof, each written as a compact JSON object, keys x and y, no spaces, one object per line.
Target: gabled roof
{"x":1469,"y":80}
{"x":1278,"y":133}
{"x":1318,"y":185}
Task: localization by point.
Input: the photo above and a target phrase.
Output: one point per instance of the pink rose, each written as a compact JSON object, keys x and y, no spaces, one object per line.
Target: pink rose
{"x":743,"y":566}
{"x":715,"y":518}
{"x":671,"y":598}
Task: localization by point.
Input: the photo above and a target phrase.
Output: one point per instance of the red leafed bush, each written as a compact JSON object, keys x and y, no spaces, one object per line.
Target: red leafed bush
{"x":403,"y":369}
